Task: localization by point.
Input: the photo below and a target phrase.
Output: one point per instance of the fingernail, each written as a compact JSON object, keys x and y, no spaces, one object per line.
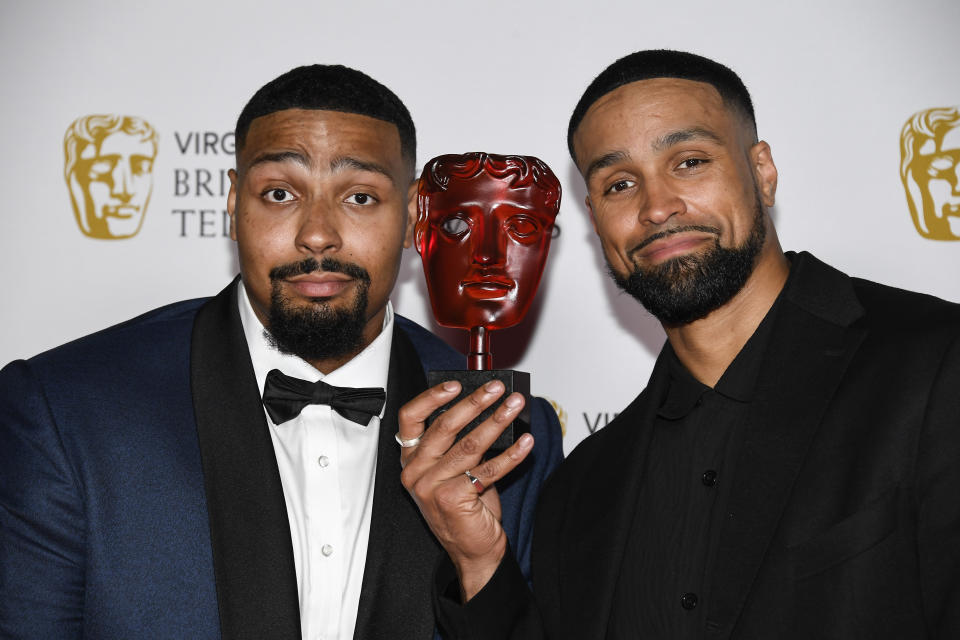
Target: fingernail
{"x":513,"y":401}
{"x":525,"y":441}
{"x":450,"y":386}
{"x":493,"y":386}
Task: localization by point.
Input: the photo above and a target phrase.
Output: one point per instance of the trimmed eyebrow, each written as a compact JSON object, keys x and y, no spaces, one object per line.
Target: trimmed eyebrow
{"x":348,"y":162}
{"x":605,"y":161}
{"x":281,"y":156}
{"x":693,"y":133}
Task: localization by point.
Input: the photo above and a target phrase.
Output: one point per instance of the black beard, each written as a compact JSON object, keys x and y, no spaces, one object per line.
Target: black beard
{"x":687,"y":288}
{"x":317,"y":332}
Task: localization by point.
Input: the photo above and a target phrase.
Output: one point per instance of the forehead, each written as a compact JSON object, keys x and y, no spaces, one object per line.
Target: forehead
{"x":951,"y":139}
{"x":319,"y":134}
{"x":120,"y":143}
{"x":485,"y":190}
{"x":641,"y":111}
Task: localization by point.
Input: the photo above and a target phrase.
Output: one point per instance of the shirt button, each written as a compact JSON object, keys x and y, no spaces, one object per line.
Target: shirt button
{"x":709,"y":478}
{"x":327,"y":550}
{"x":323,"y":461}
{"x":689,"y":601}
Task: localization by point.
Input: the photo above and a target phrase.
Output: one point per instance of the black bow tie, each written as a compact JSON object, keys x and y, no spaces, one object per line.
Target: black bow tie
{"x":284,"y":397}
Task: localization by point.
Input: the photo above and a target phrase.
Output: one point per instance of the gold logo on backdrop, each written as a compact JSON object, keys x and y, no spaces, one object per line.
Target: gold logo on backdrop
{"x":930,"y":171}
{"x":561,"y":415}
{"x":109,"y":172}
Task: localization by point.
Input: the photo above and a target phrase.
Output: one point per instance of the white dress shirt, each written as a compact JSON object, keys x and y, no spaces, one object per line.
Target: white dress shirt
{"x":327,"y":467}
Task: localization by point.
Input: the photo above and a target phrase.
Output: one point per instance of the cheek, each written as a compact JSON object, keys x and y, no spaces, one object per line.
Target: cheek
{"x":446,"y":266}
{"x":141,"y":185}
{"x":98,"y":191}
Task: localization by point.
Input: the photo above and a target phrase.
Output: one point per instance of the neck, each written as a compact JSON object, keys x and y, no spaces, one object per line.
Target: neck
{"x":706,"y":347}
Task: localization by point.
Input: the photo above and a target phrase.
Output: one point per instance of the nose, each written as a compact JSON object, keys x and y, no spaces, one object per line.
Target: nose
{"x":120,"y":180}
{"x":318,"y":230}
{"x":660,"y":202}
{"x":488,"y":247}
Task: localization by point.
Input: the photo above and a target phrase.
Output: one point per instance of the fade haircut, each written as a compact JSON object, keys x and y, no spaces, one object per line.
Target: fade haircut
{"x":331,"y":88}
{"x":663,"y":63}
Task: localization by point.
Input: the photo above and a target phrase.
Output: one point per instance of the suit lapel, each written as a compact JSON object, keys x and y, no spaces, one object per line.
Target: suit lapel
{"x":402,"y":552}
{"x":607,"y":506}
{"x":810,"y":349}
{"x":249,"y":529}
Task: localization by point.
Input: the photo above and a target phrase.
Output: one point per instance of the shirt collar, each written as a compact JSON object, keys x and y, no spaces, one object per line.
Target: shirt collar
{"x":738,"y":382}
{"x":369,"y":368}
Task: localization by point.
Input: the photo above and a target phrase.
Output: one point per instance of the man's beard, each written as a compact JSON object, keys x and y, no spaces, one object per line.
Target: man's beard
{"x":689,"y":287}
{"x":317,"y":332}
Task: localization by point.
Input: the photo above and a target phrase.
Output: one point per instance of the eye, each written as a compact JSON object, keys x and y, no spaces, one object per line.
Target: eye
{"x":100,"y":169}
{"x":940,"y":164}
{"x":140,"y":166}
{"x":620,"y":185}
{"x":362,"y":199}
{"x":278,"y":195}
{"x":522,"y":226}
{"x":692,"y":163}
{"x":455,"y":226}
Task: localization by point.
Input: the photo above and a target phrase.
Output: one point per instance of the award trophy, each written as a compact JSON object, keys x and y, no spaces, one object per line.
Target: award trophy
{"x":484,"y":224}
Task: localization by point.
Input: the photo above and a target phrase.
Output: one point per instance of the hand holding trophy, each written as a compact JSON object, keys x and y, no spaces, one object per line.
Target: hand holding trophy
{"x":484,"y":225}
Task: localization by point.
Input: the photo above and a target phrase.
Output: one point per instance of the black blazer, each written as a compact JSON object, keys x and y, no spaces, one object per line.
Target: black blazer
{"x":140,"y":495}
{"x":843,"y":520}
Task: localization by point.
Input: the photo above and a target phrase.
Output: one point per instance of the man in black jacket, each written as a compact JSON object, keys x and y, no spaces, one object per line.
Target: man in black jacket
{"x":789,"y":470}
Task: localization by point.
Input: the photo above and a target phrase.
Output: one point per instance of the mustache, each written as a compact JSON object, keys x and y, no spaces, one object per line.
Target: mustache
{"x":309,"y":265}
{"x":669,"y":232}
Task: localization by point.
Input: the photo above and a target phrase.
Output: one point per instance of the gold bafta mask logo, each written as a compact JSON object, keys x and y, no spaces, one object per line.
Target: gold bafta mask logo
{"x":930,"y":171}
{"x":109,"y":172}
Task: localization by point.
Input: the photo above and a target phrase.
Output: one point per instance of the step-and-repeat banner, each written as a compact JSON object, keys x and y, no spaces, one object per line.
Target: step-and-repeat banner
{"x":859,"y":101}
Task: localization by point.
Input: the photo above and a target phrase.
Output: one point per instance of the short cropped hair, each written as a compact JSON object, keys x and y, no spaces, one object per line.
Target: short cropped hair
{"x":663,"y":63}
{"x":331,"y":88}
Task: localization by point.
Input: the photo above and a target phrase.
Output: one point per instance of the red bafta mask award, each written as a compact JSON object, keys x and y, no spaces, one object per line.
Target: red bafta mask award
{"x":484,"y":224}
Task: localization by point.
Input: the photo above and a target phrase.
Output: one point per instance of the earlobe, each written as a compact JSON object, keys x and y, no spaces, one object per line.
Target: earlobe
{"x":232,"y":204}
{"x":764,"y":172}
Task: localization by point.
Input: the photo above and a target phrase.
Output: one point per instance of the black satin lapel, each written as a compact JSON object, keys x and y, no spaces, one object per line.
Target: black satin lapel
{"x":402,"y":552}
{"x":595,"y":536}
{"x":799,"y":377}
{"x":249,"y":529}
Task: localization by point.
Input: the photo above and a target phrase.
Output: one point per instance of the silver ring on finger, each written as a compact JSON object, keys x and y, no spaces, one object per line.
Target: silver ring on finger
{"x":475,"y":481}
{"x":406,"y":444}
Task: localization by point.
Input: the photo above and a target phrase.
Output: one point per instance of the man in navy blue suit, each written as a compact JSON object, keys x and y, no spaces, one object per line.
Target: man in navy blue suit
{"x":227,"y":467}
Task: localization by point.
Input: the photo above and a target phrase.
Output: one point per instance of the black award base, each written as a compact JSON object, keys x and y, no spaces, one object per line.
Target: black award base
{"x":471,"y":380}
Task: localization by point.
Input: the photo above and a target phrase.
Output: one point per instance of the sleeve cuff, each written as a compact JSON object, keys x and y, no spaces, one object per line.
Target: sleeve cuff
{"x":493,"y":613}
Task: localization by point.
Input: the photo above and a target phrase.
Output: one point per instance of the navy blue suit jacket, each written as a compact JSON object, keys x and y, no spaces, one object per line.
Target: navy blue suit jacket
{"x":140,"y":496}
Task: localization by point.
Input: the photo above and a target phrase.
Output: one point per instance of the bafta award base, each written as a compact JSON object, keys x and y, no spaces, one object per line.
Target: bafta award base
{"x":518,"y":381}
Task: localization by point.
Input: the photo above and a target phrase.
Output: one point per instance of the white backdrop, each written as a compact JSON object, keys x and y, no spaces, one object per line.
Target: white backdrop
{"x":833,"y":83}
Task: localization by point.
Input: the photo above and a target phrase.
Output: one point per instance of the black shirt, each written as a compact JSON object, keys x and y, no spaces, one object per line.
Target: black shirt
{"x":683,"y":496}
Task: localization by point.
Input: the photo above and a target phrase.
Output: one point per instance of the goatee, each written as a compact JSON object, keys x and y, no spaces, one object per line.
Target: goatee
{"x":687,"y":288}
{"x":317,"y":331}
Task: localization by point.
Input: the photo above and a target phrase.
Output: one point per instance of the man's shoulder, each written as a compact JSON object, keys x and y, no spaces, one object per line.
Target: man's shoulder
{"x":890,"y":307}
{"x":434,"y":353}
{"x":156,"y":334}
{"x":832,"y":294}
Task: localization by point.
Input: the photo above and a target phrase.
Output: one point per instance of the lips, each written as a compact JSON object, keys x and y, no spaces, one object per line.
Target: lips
{"x":121,"y":211}
{"x":672,"y":243}
{"x":489,"y":287}
{"x":319,"y":285}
